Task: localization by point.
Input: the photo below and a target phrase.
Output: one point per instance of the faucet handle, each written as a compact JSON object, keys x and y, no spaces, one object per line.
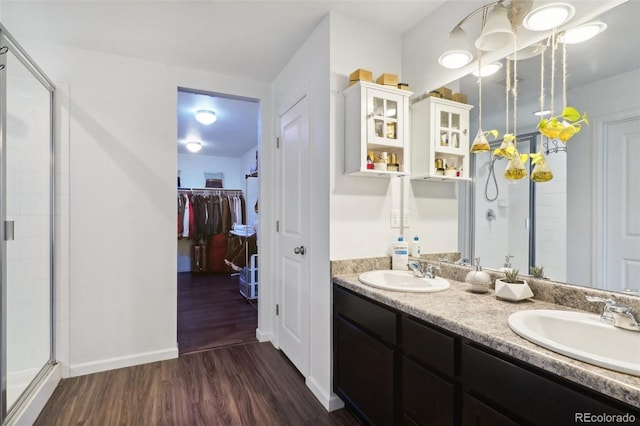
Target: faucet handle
{"x":606,"y":301}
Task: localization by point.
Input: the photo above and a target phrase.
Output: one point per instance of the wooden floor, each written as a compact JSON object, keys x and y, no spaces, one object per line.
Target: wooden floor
{"x":249,"y":384}
{"x":212,"y":313}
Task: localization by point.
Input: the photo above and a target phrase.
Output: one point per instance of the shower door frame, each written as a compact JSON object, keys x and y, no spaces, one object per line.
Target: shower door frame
{"x":14,"y":47}
{"x":470,"y":208}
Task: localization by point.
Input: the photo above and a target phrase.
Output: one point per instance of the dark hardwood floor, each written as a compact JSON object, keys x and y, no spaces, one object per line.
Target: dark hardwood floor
{"x":249,"y":384}
{"x":212,"y":313}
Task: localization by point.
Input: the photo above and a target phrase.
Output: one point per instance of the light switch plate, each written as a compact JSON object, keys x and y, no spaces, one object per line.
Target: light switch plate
{"x":395,"y":218}
{"x":405,"y":219}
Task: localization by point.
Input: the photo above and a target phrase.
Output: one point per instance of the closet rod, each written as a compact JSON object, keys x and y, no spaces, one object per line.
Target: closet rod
{"x":213,"y":191}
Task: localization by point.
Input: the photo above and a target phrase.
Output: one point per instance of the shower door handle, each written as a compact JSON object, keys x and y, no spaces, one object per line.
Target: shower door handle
{"x":8,"y":230}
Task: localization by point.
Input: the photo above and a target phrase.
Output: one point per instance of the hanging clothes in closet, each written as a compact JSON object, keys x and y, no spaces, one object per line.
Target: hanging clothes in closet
{"x":206,"y":217}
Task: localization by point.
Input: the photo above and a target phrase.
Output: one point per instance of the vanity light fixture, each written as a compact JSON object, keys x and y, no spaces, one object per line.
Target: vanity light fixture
{"x":548,"y":16}
{"x":456,"y":54}
{"x":496,"y":31}
{"x":194,"y":146}
{"x":488,"y":70}
{"x":206,"y":116}
{"x":582,"y":32}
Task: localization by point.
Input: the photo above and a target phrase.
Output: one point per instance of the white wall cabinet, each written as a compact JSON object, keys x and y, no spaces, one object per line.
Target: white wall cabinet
{"x":376,"y":122}
{"x":439,"y":140}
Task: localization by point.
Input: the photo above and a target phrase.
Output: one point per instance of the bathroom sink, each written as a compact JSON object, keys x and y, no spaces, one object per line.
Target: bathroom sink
{"x":403,"y":281}
{"x":581,"y":336}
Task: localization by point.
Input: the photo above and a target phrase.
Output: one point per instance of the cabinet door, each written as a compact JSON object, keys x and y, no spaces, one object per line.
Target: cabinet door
{"x":384,"y":118}
{"x":363,"y":373}
{"x":452,"y":126}
{"x":426,"y":398}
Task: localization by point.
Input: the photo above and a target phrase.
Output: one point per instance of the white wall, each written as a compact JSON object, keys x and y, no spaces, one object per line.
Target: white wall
{"x":122,"y":194}
{"x":192,"y":168}
{"x":360,"y":206}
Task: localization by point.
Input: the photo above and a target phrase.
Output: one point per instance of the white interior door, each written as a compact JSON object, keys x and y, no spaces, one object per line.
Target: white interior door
{"x":622,"y":205}
{"x":293,"y":319}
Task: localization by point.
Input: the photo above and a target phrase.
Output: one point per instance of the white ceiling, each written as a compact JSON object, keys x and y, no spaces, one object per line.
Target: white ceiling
{"x":247,"y":39}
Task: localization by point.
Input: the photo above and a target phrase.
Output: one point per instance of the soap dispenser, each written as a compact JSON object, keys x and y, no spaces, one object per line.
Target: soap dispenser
{"x":400,"y":255}
{"x":480,"y":280}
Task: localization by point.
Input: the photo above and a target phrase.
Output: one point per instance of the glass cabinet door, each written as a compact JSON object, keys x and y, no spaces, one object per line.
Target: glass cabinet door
{"x":451,"y":128}
{"x":384,"y":118}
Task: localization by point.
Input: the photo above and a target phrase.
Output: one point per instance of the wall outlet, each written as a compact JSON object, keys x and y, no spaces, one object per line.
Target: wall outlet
{"x":395,"y":218}
{"x":405,"y":219}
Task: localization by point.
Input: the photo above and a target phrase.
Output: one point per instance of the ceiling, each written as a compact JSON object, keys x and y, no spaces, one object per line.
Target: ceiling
{"x":599,"y":58}
{"x":246,"y":39}
{"x":254,"y":40}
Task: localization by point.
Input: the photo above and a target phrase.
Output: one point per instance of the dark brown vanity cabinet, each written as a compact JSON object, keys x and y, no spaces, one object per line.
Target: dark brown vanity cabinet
{"x":364,"y":357}
{"x":428,"y":370}
{"x":393,"y":369}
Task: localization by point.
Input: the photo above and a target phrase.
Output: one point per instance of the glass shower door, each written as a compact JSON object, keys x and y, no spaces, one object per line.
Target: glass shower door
{"x":26,"y":187}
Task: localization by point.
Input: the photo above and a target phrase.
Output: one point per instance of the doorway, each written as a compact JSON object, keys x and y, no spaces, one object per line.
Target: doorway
{"x":217,"y":196}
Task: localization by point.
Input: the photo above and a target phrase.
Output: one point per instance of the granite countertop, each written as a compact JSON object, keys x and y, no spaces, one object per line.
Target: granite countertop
{"x":482,"y":318}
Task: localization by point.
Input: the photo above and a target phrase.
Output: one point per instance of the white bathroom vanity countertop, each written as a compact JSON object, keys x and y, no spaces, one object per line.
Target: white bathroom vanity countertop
{"x":482,"y":318}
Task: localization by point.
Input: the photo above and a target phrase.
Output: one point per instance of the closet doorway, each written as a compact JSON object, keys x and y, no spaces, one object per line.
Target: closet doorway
{"x":217,"y":198}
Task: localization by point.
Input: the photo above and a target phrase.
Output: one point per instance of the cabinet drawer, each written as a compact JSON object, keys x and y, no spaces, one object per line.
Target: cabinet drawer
{"x":528,"y":395}
{"x":428,"y":346}
{"x":427,"y":399}
{"x":475,"y":413}
{"x":368,"y":315}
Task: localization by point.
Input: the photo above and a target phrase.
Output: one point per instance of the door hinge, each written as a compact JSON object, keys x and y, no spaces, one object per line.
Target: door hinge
{"x":277,"y":309}
{"x":277,"y":226}
{"x":278,"y":142}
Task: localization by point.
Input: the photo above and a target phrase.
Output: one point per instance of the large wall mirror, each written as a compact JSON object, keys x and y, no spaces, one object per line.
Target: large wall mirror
{"x":583,"y":226}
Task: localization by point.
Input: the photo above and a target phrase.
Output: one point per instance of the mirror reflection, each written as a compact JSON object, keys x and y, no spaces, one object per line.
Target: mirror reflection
{"x":583,"y":226}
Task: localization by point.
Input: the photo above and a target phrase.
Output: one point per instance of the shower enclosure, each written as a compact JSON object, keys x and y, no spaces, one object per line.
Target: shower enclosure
{"x":522,"y":219}
{"x":26,"y":219}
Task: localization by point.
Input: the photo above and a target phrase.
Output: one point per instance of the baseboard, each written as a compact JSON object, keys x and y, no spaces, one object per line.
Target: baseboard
{"x":264,"y":336}
{"x":330,"y":402}
{"x":31,"y":408}
{"x":121,"y":362}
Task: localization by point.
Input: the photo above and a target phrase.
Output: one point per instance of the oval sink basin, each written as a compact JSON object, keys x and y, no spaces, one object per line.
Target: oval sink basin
{"x":581,"y":336}
{"x":403,"y":281}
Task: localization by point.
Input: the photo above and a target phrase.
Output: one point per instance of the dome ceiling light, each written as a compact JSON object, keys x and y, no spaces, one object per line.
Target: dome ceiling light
{"x":548,"y":16}
{"x":206,"y":116}
{"x":582,"y":32}
{"x":194,"y":146}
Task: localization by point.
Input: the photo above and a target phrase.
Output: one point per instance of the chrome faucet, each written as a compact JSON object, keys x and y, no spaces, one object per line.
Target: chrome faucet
{"x":417,"y":269}
{"x":431,"y":271}
{"x":617,"y":315}
{"x":421,"y":271}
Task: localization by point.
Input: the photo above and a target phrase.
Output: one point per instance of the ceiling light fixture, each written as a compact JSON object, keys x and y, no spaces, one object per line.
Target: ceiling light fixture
{"x":582,"y":32}
{"x":456,"y":54}
{"x":194,"y":146}
{"x":496,"y":32}
{"x":488,"y":70}
{"x":548,"y":16}
{"x":206,"y":116}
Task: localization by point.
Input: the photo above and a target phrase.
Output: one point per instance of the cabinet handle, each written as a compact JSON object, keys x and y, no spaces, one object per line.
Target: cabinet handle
{"x":464,"y":132}
{"x":299,"y":250}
